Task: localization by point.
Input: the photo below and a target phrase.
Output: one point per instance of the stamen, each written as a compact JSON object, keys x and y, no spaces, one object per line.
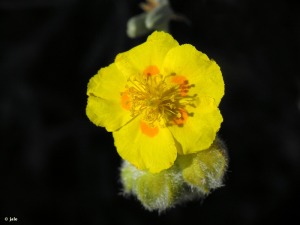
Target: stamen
{"x":159,"y":99}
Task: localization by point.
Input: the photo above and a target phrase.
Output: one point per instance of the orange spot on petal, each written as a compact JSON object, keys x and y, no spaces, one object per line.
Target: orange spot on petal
{"x":125,"y":100}
{"x":182,"y":119}
{"x":178,"y":79}
{"x":148,"y":130}
{"x":151,"y":70}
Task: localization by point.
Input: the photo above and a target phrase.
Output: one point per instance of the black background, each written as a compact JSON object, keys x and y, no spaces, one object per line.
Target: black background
{"x":58,"y":168}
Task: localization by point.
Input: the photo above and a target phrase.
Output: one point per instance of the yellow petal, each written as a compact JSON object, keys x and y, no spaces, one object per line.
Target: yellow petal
{"x":198,"y":130}
{"x":106,"y":113}
{"x":108,"y":83}
{"x":150,"y":53}
{"x":105,"y":106}
{"x":147,"y":150}
{"x":204,"y":74}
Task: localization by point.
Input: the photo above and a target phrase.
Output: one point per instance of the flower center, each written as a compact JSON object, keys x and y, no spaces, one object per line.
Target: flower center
{"x":162,"y":100}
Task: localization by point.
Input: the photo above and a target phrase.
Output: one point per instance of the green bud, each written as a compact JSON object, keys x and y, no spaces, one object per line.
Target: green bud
{"x":191,"y":177}
{"x":129,"y":174}
{"x":156,"y":16}
{"x":136,"y":26}
{"x":157,"y":191}
{"x":159,"y":17}
{"x":204,"y":170}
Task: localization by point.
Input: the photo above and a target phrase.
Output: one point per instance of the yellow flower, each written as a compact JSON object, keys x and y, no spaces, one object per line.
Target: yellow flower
{"x":159,"y":99}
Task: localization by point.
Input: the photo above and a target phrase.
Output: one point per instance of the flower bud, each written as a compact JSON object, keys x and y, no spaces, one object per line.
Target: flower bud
{"x":156,"y":16}
{"x":136,"y":26}
{"x":159,"y":17}
{"x":204,"y":170}
{"x":191,"y":177}
{"x":156,"y":191}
